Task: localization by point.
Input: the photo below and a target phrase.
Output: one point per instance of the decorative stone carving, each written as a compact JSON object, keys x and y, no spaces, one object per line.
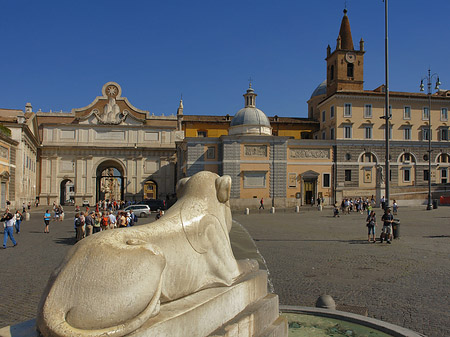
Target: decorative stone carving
{"x":111,"y":283}
{"x":309,"y":153}
{"x":111,"y":113}
{"x":255,"y":150}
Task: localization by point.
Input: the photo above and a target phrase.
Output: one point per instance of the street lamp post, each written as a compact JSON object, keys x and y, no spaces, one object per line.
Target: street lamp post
{"x":429,"y":79}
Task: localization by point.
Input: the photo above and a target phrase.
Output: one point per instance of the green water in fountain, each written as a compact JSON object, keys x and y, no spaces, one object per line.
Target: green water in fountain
{"x":302,"y":325}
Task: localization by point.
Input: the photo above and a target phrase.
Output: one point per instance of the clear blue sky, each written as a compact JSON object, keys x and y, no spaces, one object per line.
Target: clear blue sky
{"x":58,"y":54}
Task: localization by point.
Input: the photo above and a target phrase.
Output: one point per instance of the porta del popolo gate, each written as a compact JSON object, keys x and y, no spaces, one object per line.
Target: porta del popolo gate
{"x":107,"y":150}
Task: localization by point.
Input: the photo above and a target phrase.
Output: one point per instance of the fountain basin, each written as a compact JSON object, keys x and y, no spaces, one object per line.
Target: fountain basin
{"x":318,"y":322}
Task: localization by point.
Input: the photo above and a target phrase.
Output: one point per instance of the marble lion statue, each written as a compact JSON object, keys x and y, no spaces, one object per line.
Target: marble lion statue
{"x":110,"y":283}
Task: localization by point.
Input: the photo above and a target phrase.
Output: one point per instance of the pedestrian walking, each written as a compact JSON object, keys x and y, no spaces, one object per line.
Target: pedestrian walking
{"x":395,"y":207}
{"x":261,"y":203}
{"x":8,"y":223}
{"x":19,"y":218}
{"x":47,"y":217}
{"x":387,"y":219}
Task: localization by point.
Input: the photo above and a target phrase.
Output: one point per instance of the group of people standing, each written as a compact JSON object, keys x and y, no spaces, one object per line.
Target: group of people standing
{"x":387,"y":219}
{"x":93,"y":222}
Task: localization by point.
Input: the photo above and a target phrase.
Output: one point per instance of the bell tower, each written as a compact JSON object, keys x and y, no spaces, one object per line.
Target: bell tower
{"x":345,"y":65}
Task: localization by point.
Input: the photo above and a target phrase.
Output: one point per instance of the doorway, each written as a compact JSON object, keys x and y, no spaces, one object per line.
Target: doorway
{"x":67,"y":193}
{"x":109,"y":181}
{"x":309,"y":188}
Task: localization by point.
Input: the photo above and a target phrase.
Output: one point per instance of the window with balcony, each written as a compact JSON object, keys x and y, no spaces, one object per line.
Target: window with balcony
{"x":347,"y":131}
{"x":407,"y":133}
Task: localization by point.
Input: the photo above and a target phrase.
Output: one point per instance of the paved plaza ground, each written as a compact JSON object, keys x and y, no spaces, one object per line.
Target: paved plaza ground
{"x":308,"y":254}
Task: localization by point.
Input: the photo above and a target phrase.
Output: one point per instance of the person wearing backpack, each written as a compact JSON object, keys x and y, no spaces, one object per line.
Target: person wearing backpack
{"x":97,"y":226}
{"x":78,"y":227}
{"x":104,"y":222}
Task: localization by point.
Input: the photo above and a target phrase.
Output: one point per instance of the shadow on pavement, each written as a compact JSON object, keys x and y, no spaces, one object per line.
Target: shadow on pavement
{"x":352,"y":242}
{"x":437,"y":236}
{"x":66,"y":241}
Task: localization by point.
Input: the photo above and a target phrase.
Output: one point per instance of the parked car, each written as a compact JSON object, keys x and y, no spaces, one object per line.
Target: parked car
{"x":141,"y":211}
{"x":155,"y":204}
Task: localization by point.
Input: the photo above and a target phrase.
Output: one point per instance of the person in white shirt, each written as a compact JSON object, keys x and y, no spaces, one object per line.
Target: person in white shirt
{"x":9,"y":223}
{"x":112,"y":220}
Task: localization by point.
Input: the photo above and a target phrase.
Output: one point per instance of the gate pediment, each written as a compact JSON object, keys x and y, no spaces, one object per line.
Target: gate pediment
{"x":110,"y":108}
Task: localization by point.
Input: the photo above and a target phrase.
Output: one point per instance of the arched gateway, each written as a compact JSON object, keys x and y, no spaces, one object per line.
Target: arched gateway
{"x":108,"y":150}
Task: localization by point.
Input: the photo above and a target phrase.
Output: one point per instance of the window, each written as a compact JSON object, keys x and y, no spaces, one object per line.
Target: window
{"x":406,"y":174}
{"x":332,"y":133}
{"x":350,"y":71}
{"x":425,"y":133}
{"x":425,"y":113}
{"x":443,"y":158}
{"x":407,"y":112}
{"x":444,"y":134}
{"x":426,"y":175}
{"x":202,"y":134}
{"x":444,"y":176}
{"x":368,"y":132}
{"x":348,"y":110}
{"x":326,"y":180}
{"x":348,"y":175}
{"x":368,"y":111}
{"x":332,"y":111}
{"x":332,"y":72}
{"x":444,"y":114}
{"x":407,"y":133}
{"x":323,"y":116}
{"x":347,"y":131}
{"x":211,"y":152}
{"x":324,"y":135}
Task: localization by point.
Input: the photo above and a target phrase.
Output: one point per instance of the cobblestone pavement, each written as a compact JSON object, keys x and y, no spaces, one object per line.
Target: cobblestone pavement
{"x":308,"y":254}
{"x":405,"y":283}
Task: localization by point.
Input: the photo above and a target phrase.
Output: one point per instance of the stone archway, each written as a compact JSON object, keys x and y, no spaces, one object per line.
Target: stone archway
{"x":66,"y":192}
{"x":110,"y":181}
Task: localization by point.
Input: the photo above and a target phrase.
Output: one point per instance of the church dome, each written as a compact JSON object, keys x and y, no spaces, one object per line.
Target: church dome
{"x":250,"y":120}
{"x":320,"y":90}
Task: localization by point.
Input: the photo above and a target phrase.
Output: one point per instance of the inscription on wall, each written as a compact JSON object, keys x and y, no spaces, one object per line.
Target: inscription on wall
{"x":110,"y":135}
{"x":66,"y":165}
{"x":309,"y":153}
{"x":255,"y":150}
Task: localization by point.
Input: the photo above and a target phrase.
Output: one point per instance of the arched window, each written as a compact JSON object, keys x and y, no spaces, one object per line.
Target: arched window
{"x":368,"y":157}
{"x":443,"y":158}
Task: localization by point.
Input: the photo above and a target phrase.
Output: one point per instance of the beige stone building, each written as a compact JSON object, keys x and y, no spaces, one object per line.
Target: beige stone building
{"x":350,"y":118}
{"x":8,"y":148}
{"x":23,"y":161}
{"x":106,"y":150}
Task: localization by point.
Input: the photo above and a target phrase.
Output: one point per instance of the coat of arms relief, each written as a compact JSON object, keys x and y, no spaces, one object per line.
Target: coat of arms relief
{"x":111,"y":113}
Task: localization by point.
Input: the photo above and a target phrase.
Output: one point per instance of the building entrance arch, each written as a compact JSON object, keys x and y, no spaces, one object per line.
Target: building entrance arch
{"x":110,"y":181}
{"x":67,"y":192}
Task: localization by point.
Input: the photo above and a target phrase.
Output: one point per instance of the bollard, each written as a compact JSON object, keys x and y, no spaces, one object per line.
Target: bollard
{"x":297,"y":209}
{"x":272,"y":210}
{"x":247,"y":211}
